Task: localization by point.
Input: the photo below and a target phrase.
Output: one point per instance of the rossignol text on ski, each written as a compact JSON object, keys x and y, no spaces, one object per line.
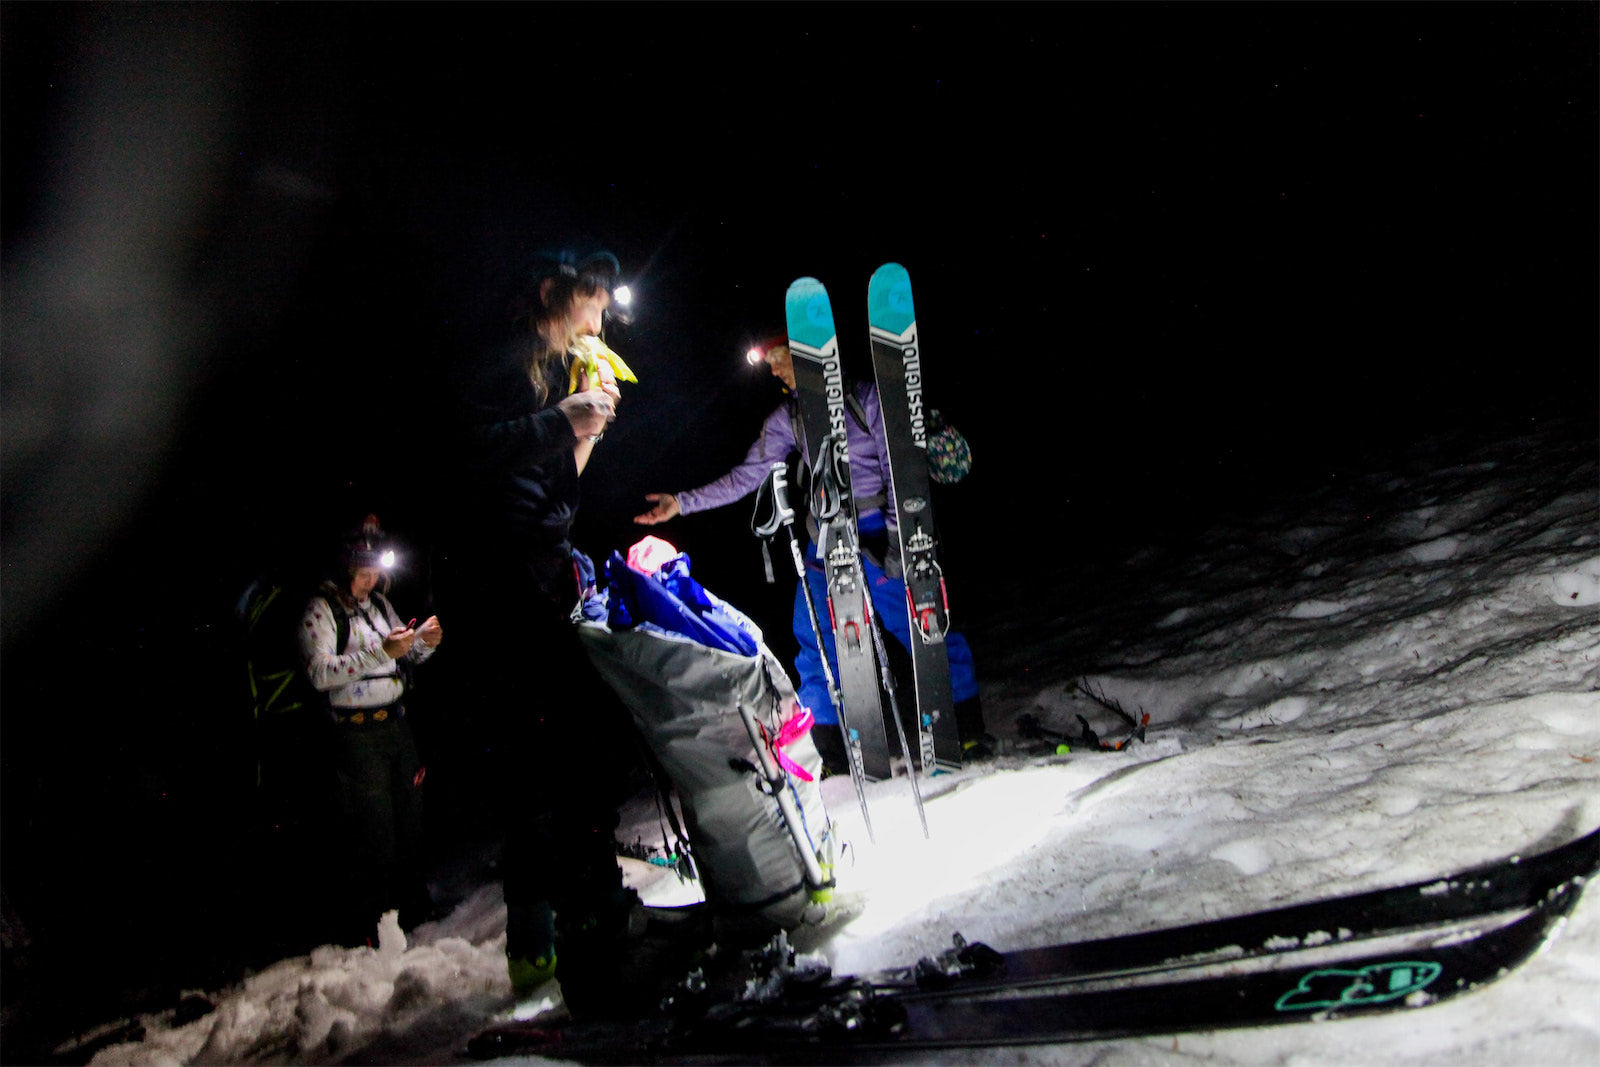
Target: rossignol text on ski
{"x":897,"y":366}
{"x":820,"y":387}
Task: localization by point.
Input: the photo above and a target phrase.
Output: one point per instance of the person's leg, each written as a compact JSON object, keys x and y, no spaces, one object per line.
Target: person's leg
{"x":366,"y":821}
{"x":409,"y":875}
{"x":889,"y":600}
{"x":813,"y":689}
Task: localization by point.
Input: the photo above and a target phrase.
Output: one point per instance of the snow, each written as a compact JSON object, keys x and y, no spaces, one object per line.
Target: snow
{"x":1378,"y":682}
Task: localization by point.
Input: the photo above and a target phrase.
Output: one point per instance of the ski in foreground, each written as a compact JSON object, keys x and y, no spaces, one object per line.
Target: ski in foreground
{"x":1382,"y":950}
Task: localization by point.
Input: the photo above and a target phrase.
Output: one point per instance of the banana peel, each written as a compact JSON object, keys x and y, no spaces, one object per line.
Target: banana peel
{"x":586,"y":358}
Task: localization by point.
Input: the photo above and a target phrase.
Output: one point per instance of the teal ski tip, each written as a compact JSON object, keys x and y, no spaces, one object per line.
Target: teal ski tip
{"x":809,"y":313}
{"x":889,"y":305}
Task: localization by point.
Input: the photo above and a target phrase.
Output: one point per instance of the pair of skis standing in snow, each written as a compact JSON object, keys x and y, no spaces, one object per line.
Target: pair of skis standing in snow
{"x":682,"y":697}
{"x":843,"y":656}
{"x":859,"y":648}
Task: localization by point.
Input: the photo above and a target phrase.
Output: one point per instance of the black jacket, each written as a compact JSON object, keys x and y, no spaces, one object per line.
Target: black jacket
{"x":523,"y":480}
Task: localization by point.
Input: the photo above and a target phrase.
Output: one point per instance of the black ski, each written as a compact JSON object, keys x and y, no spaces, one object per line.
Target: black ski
{"x":1375,"y":951}
{"x":859,"y":1022}
{"x":820,"y":386}
{"x":1506,"y":885}
{"x":897,"y":365}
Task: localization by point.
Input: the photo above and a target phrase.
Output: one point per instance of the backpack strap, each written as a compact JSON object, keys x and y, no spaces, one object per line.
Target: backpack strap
{"x":856,"y":408}
{"x":389,"y":614}
{"x":852,"y":403}
{"x":341,"y":624}
{"x":341,"y":637}
{"x":799,"y":430}
{"x":403,"y":665}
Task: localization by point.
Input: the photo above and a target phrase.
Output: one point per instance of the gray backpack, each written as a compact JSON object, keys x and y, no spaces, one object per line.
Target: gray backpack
{"x":713,"y":719}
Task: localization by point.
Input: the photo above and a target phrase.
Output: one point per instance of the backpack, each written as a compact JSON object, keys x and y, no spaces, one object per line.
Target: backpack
{"x":723,"y":724}
{"x":294,"y":774}
{"x":270,"y":619}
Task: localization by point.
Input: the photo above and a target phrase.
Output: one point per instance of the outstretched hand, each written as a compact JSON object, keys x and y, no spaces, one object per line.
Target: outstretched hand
{"x":665,"y":507}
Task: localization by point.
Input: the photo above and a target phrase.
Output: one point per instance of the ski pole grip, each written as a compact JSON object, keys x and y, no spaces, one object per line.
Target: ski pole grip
{"x":775,"y":490}
{"x":780,"y":494}
{"x":827,"y":486}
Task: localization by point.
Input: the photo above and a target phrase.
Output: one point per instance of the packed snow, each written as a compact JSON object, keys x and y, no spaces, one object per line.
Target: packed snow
{"x":1388,"y":678}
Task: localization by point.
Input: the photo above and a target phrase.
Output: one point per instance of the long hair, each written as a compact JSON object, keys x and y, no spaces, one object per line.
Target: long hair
{"x":338,"y":592}
{"x":338,"y":589}
{"x":532,"y":313}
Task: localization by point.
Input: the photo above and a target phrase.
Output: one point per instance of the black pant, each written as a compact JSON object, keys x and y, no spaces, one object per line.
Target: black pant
{"x":561,"y":753}
{"x":380,"y":816}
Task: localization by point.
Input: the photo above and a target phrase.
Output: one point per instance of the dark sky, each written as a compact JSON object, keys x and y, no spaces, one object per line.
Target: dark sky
{"x":1165,"y":258}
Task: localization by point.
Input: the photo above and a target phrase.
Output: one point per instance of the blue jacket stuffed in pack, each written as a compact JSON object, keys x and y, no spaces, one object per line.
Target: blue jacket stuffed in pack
{"x":671,"y":600}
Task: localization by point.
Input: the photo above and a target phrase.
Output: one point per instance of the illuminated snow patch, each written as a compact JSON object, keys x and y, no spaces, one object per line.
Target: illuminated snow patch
{"x":1250,"y":856}
{"x":1317,"y":609}
{"x":1441,"y":548}
{"x":1578,"y":587}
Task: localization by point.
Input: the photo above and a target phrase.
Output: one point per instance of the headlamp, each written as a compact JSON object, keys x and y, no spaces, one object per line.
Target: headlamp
{"x":621,"y":309}
{"x":386,"y":561}
{"x":763,"y":348}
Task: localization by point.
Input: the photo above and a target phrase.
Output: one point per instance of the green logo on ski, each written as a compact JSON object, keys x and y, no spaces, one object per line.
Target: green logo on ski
{"x":1333,"y":988}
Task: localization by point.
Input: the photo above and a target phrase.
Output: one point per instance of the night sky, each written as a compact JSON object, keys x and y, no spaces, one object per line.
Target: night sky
{"x":1166,"y":258}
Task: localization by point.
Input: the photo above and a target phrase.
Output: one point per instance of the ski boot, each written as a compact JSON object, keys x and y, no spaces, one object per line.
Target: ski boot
{"x":619,"y":963}
{"x":530,"y":946}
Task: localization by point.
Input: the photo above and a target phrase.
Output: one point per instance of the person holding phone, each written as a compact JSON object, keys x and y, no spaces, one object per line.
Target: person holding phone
{"x":358,"y":654}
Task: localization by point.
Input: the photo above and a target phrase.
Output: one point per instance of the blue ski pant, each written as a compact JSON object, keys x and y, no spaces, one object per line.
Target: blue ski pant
{"x":889,"y":602}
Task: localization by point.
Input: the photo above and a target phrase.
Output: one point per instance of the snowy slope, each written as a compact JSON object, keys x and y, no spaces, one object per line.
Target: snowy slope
{"x":1390,"y":678}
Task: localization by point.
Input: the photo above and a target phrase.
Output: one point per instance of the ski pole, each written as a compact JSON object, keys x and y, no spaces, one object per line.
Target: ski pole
{"x":778,"y":782}
{"x":829,"y":506}
{"x":837,"y":550}
{"x":783,"y":515}
{"x":874,"y":624}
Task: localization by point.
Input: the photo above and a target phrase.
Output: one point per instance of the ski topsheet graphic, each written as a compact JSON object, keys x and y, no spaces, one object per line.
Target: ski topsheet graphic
{"x":1394,"y":949}
{"x":897,"y":365}
{"x":820,"y":385}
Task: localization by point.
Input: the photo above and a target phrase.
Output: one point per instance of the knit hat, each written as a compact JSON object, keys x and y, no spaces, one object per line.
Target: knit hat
{"x":367,"y":546}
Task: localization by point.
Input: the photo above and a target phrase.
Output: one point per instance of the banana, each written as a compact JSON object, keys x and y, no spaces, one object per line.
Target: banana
{"x":586,"y":357}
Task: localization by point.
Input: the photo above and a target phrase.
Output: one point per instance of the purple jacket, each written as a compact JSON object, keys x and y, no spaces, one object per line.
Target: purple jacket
{"x":869,"y":461}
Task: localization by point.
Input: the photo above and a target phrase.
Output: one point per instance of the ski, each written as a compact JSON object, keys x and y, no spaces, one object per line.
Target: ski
{"x":1386,"y":949}
{"x":856,"y":1022}
{"x":1506,"y":885}
{"x":772,"y":514}
{"x":897,"y":366}
{"x":820,"y":385}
